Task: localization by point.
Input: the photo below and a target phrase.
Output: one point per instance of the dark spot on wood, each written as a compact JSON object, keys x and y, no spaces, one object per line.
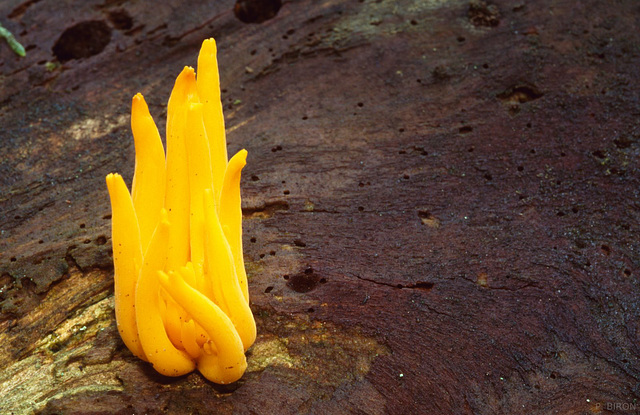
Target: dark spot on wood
{"x":21,"y":8}
{"x":622,"y":142}
{"x":304,"y":282}
{"x":420,"y":150}
{"x":82,"y":40}
{"x":421,"y":285}
{"x":256,"y":11}
{"x":120,"y":19}
{"x":482,"y":14}
{"x":440,"y":73}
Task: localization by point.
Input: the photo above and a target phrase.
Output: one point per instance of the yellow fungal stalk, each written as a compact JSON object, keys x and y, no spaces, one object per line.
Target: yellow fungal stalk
{"x":180,"y":285}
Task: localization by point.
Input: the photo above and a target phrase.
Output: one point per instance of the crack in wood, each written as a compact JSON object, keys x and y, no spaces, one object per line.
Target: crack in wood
{"x":419,"y":285}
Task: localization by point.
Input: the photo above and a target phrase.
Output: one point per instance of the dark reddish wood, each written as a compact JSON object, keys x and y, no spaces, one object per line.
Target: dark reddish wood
{"x":441,"y":204}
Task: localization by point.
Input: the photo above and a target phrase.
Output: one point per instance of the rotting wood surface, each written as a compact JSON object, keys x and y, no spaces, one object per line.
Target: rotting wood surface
{"x":441,"y":203}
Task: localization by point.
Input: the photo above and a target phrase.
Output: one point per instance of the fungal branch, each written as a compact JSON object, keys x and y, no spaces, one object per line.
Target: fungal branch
{"x":181,"y":294}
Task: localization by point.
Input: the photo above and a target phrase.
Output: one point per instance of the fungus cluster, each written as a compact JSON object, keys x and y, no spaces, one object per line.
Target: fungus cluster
{"x":181,"y":294}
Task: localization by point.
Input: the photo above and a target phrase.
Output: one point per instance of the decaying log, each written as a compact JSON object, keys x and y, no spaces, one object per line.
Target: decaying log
{"x":441,"y":202}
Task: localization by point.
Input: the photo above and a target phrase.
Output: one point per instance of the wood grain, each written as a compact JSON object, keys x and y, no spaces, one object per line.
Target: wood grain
{"x":441,"y":203}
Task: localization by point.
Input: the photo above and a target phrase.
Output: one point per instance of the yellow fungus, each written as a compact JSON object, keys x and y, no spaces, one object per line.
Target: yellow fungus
{"x":182,"y":300}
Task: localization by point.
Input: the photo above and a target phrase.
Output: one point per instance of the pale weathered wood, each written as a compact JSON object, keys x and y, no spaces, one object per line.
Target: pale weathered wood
{"x":441,"y":203}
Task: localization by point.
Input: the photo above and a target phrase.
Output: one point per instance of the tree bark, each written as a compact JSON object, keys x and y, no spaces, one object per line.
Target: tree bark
{"x":441,"y":207}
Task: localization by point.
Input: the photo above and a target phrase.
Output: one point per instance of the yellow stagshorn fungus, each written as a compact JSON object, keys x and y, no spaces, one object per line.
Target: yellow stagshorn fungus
{"x":181,"y":293}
